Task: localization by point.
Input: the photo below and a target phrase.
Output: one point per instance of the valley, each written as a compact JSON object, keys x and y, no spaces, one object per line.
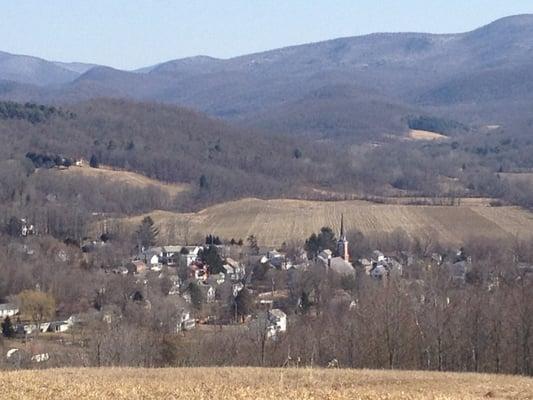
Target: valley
{"x":351,"y":209}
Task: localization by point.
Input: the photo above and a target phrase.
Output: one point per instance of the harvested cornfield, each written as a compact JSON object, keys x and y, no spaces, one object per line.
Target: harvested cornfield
{"x":417,"y":134}
{"x":255,"y":383}
{"x":278,"y":221}
{"x":132,"y":179}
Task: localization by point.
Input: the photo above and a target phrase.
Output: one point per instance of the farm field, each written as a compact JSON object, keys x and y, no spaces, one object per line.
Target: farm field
{"x":125,"y":177}
{"x":282,"y":220}
{"x":417,"y":134}
{"x":256,"y":383}
{"x":525,"y":178}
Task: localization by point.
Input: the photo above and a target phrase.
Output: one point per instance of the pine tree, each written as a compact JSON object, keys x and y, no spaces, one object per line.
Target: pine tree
{"x":147,"y":233}
{"x":8,"y":330}
{"x":211,"y":257}
{"x":204,"y":184}
{"x":196,"y":295}
{"x":93,"y":162}
{"x":244,"y":303}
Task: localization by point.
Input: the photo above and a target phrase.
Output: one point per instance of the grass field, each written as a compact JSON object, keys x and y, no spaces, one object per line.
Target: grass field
{"x":125,"y":177}
{"x":255,"y":383}
{"x":278,"y":221}
{"x":525,"y":178}
{"x":416,"y":134}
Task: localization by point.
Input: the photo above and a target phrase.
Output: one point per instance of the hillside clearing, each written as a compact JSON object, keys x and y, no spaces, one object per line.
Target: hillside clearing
{"x":517,"y":177}
{"x":417,"y":134}
{"x":126,"y":177}
{"x":281,"y":220}
{"x":256,"y":383}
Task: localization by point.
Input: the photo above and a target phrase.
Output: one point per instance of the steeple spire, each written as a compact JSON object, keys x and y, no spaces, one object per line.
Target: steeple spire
{"x":342,"y":244}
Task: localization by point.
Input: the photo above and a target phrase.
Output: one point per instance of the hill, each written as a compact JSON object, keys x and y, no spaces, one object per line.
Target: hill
{"x":479,"y":77}
{"x":33,"y":70}
{"x":114,"y":176}
{"x":262,"y":384}
{"x":278,"y":221}
{"x":214,"y":159}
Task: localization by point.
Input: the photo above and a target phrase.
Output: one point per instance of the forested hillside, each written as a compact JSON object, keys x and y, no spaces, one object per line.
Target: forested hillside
{"x":354,"y":87}
{"x":168,"y":144}
{"x":217,"y":161}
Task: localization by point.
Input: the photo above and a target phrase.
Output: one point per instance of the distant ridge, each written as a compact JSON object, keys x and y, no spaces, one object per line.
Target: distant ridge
{"x":473,"y":76}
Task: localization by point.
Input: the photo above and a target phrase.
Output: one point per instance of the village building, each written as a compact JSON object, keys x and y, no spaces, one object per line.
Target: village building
{"x":277,"y":322}
{"x":198,"y":271}
{"x":185,"y":322}
{"x":8,"y":310}
{"x":189,"y":255}
{"x":341,"y":264}
{"x":235,"y":271}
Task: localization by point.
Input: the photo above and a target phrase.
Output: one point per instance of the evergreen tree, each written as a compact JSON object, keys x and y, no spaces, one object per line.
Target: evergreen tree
{"x":147,"y":233}
{"x":304,"y":303}
{"x":252,"y":243}
{"x":8,"y":330}
{"x":14,"y":227}
{"x":317,"y":243}
{"x":244,"y":303}
{"x":94,"y":162}
{"x":204,"y":184}
{"x":211,"y":257}
{"x":196,"y":295}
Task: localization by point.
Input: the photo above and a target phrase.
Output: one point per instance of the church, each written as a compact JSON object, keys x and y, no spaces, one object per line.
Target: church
{"x":342,"y":244}
{"x":341,"y":263}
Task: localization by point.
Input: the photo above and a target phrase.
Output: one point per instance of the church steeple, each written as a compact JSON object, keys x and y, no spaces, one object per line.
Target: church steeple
{"x":342,"y":244}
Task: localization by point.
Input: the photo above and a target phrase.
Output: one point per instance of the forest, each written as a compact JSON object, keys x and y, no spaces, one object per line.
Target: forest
{"x":224,"y":162}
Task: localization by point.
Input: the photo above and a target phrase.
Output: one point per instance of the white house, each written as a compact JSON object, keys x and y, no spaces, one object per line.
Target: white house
{"x":234,"y":270}
{"x":61,"y":326}
{"x":8,"y":310}
{"x":185,"y":322}
{"x":189,"y":255}
{"x":277,"y":322}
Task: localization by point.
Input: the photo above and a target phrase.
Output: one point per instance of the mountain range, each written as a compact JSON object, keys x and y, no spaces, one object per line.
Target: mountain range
{"x":356,"y":86}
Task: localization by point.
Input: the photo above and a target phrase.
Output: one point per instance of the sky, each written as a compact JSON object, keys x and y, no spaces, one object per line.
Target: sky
{"x":130,"y":34}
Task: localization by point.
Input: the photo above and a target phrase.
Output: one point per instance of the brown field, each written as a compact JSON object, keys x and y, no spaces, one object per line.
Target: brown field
{"x":518,"y":177}
{"x":278,"y":221}
{"x":125,"y":177}
{"x":416,"y":134}
{"x":255,"y":383}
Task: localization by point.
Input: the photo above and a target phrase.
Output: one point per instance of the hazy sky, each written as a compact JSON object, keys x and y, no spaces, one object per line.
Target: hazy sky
{"x":134,"y":33}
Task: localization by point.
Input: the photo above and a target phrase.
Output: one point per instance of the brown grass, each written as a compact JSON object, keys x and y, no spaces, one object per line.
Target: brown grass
{"x":525,"y":178}
{"x":126,"y":177}
{"x":254,"y":383}
{"x":278,"y":221}
{"x":417,"y":134}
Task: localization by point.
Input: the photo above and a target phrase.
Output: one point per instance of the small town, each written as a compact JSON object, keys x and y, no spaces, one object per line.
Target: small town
{"x":257,"y":200}
{"x":235,"y":287}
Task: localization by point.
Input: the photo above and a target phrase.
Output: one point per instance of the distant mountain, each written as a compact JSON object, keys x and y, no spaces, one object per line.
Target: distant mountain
{"x":475,"y":76}
{"x":33,"y":70}
{"x":77,"y":67}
